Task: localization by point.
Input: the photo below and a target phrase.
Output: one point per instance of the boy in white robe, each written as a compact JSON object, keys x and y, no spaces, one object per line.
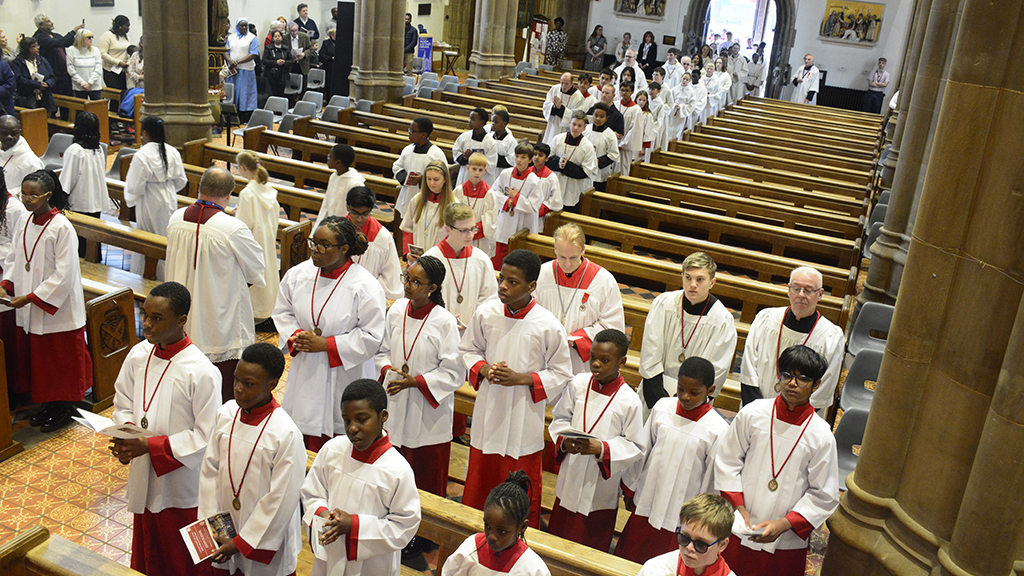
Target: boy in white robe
{"x":631,"y":143}
{"x":504,"y":141}
{"x":606,"y":145}
{"x":775,"y":329}
{"x":673,"y":69}
{"x":573,"y":160}
{"x":587,"y":492}
{"x":679,"y":116}
{"x":263,"y":449}
{"x":517,"y":358}
{"x":343,"y":179}
{"x":217,"y":258}
{"x":559,"y":103}
{"x":476,"y":140}
{"x":549,"y":183}
{"x":408,"y":169}
{"x":683,"y":324}
{"x":478,"y":195}
{"x":584,"y":83}
{"x":169,"y":387}
{"x":700,"y":104}
{"x":16,"y":156}
{"x":381,"y":256}
{"x":364,"y":489}
{"x":679,"y":437}
{"x":420,"y":369}
{"x":777,"y":465}
{"x":705,"y":526}
{"x":519,"y":197}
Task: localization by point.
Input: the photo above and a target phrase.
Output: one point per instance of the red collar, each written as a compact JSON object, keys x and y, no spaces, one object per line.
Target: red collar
{"x":544,"y":172}
{"x":448,"y":252}
{"x":45,"y":217}
{"x":718,"y":568}
{"x":257,"y":415}
{"x":522,"y":313}
{"x":435,"y":198}
{"x":420,"y":313}
{"x":169,"y":351}
{"x":503,"y":561}
{"x":521,"y":175}
{"x":371,"y":229}
{"x":337,"y":271}
{"x":199,"y":210}
{"x":375,"y":451}
{"x":626,"y":103}
{"x":794,"y":417}
{"x":695,"y":414}
{"x":606,"y":389}
{"x":591,"y":269}
{"x":478,"y":191}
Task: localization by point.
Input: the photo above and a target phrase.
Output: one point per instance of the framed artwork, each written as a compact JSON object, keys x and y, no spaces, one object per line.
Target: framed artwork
{"x":647,"y":9}
{"x":851,"y":22}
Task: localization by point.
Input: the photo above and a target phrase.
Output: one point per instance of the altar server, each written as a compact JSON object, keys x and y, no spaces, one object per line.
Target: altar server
{"x":343,"y":178}
{"x":259,"y":210}
{"x":559,"y":104}
{"x":478,"y":195}
{"x":381,"y":256}
{"x":574,"y":160}
{"x":606,"y":145}
{"x":805,"y":82}
{"x":408,"y":169}
{"x":476,"y":140}
{"x":470,"y":279}
{"x":519,"y":197}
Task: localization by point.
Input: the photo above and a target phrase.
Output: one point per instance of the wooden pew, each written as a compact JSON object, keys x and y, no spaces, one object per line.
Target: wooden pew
{"x":806,"y":166}
{"x":204,"y":153}
{"x":783,"y":210}
{"x":740,"y":261}
{"x":790,"y":141}
{"x":379,"y":120}
{"x":507,"y":84}
{"x":345,"y":131}
{"x":816,"y":111}
{"x":810,"y":127}
{"x":860,"y":149}
{"x":8,"y":445}
{"x":532,"y":109}
{"x":110,"y":328}
{"x":153,"y":247}
{"x":520,"y":126}
{"x":762,"y":174}
{"x":76,"y":105}
{"x":505,"y":97}
{"x":34,"y":130}
{"x":463,"y":109}
{"x":35,"y":552}
{"x":774,"y":150}
{"x":310,"y":150}
{"x":100,"y":279}
{"x":745,"y":106}
{"x":135,"y":121}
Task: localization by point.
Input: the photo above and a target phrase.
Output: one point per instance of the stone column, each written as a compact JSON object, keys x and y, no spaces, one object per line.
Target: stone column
{"x":918,"y":105}
{"x":576,"y":15}
{"x":917,"y":503}
{"x":494,"y":41}
{"x":177,"y":79}
{"x":377,"y":58}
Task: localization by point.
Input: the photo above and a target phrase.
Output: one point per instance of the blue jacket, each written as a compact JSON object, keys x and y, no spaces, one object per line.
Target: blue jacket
{"x":7,"y":87}
{"x":27,"y":86}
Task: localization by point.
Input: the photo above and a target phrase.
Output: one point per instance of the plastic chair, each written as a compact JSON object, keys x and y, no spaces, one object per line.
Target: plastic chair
{"x":339,"y":101}
{"x":449,"y":82}
{"x":883,"y":198}
{"x":53,"y":158}
{"x":874,"y":317}
{"x":429,"y":76}
{"x":417,"y":64}
{"x":449,"y":77}
{"x":424,"y":92}
{"x":472,"y":82}
{"x":278,"y":106}
{"x":407,"y":90}
{"x":229,"y":92}
{"x":286,"y":123}
{"x":314,"y":97}
{"x":451,"y":88}
{"x":330,"y":114}
{"x":409,"y":80}
{"x":429,"y":84}
{"x":258,"y":118}
{"x":115,"y":169}
{"x":873,"y":234}
{"x":304,"y":109}
{"x":364,"y":105}
{"x":547,"y":67}
{"x":865,"y":367}
{"x":520,"y":66}
{"x":294,"y":85}
{"x":877,"y":214}
{"x":849,"y":433}
{"x":316,"y":80}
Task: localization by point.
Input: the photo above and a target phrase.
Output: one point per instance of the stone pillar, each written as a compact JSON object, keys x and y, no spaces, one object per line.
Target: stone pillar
{"x":377,"y":58}
{"x":177,"y":79}
{"x":494,"y":40}
{"x":910,"y":145}
{"x":577,"y":15}
{"x":917,"y":503}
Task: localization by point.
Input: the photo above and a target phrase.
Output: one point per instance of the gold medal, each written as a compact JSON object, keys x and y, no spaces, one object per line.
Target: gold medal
{"x":773,"y":485}
{"x":583,"y":307}
{"x":27,"y":267}
{"x":459,"y":299}
{"x":317,"y":331}
{"x":236,"y":503}
{"x":405,"y":368}
{"x":682,"y":357}
{"x":145,"y":422}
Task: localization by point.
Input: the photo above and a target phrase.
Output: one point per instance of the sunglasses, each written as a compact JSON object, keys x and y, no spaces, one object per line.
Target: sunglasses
{"x":699,"y":546}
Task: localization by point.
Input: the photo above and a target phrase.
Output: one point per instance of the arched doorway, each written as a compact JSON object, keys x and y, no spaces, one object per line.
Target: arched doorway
{"x":785,"y":33}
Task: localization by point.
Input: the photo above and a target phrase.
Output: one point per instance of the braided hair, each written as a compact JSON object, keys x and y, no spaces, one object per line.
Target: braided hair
{"x":48,"y":180}
{"x":436,"y":272}
{"x":512,"y":497}
{"x":345,"y":232}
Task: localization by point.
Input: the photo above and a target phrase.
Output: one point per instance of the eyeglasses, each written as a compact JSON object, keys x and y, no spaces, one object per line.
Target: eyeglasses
{"x":412,"y":281}
{"x":801,"y":380}
{"x":356,"y":214}
{"x":466,"y":231}
{"x":24,"y":196}
{"x":320,"y":247}
{"x":699,"y":546}
{"x":801,"y":290}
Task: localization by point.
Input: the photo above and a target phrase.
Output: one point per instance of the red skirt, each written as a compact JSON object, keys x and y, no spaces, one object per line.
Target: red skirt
{"x":227,"y":378}
{"x":486,"y":471}
{"x":18,"y":379}
{"x":429,"y":466}
{"x":747,"y":562}
{"x":640,"y":541}
{"x":594,"y":529}
{"x":157,"y":546}
{"x":55,"y":367}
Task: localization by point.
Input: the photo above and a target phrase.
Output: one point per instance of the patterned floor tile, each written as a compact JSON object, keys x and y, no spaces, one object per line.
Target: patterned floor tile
{"x":123,"y":516}
{"x":122,"y":540}
{"x":11,"y":465}
{"x":64,"y":512}
{"x":106,"y":530}
{"x":69,"y":490}
{"x":86,"y":520}
{"x":102,"y":504}
{"x":70,"y":469}
{"x":9,"y":486}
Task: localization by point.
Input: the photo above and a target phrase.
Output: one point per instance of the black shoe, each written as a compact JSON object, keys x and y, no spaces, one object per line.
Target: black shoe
{"x":61,"y":417}
{"x":42,"y":415}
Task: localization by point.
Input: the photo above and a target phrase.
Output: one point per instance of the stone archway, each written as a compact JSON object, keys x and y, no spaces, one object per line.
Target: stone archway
{"x":785,"y":34}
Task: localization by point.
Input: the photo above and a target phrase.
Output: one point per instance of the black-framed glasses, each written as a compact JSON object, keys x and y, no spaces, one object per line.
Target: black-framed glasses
{"x":320,"y":247}
{"x":464,"y":231}
{"x":801,"y":380}
{"x":412,"y":281}
{"x":699,"y":546}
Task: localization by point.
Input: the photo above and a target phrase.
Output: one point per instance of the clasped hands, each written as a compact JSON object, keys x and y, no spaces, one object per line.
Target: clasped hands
{"x":308,"y":341}
{"x":501,"y":375}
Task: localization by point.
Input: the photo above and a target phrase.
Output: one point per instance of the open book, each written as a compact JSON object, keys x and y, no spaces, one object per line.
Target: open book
{"x":106,"y":426}
{"x":574,"y":433}
{"x":201,"y":536}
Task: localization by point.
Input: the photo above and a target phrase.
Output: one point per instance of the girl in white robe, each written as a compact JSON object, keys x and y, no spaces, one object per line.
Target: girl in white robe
{"x":84,"y":175}
{"x":649,"y":124}
{"x":155,"y":177}
{"x":723,"y":84}
{"x":501,"y":548}
{"x":425,"y":219}
{"x":330,"y":313}
{"x":420,"y":368}
{"x":259,"y":210}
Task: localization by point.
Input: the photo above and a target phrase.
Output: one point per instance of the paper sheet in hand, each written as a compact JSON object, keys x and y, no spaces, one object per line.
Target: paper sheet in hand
{"x":319,"y":550}
{"x":106,"y":426}
{"x":574,"y":433}
{"x":201,"y":536}
{"x":739,"y":527}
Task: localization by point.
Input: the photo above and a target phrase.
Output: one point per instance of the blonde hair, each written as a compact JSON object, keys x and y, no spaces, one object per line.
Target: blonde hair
{"x":456,"y":213}
{"x":447,"y":196}
{"x":570,"y":233}
{"x":700,"y":260}
{"x":80,"y":38}
{"x":709,"y":511}
{"x":498,"y":108}
{"x":252,"y":163}
{"x":477,"y":159}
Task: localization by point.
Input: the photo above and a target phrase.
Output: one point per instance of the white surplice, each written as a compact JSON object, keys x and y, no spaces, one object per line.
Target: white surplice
{"x":809,"y":78}
{"x":421,"y":416}
{"x":606,"y":151}
{"x":469,"y":273}
{"x":484,"y":203}
{"x":381,"y":258}
{"x":13,"y":213}
{"x":668,"y":564}
{"x":259,"y":210}
{"x":414,"y":159}
{"x":428,"y":229}
{"x":505,"y":148}
{"x":584,"y":157}
{"x":18,"y":162}
{"x":378,"y":489}
{"x":512,"y":217}
{"x":475,"y":558}
{"x":559,"y":123}
{"x":551,"y":192}
{"x":266,"y":449}
{"x":483,"y":144}
{"x":152,"y":190}
{"x":336,"y":197}
{"x":352,"y":320}
{"x":84,"y":178}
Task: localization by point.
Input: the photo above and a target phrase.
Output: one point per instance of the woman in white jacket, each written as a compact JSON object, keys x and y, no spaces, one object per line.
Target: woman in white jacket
{"x":259,"y":210}
{"x":85,"y":66}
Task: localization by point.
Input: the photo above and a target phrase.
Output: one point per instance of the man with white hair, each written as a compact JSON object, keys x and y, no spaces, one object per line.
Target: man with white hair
{"x":16,"y":156}
{"x":559,"y":104}
{"x":775,"y":329}
{"x":737,"y":67}
{"x":639,"y":78}
{"x":805,"y":81}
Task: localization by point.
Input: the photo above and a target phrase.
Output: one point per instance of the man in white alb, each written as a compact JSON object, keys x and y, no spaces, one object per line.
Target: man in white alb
{"x":805,"y":82}
{"x":559,"y":104}
{"x":16,"y":157}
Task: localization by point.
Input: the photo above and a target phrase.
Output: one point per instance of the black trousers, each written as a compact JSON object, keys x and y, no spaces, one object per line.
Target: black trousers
{"x":873,"y":101}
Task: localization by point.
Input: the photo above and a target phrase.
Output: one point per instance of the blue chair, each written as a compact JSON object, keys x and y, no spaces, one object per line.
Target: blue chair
{"x":258,"y":118}
{"x":339,"y":101}
{"x":330,"y":114}
{"x":304,"y":109}
{"x":865,"y":367}
{"x":278,"y":107}
{"x":873,"y":234}
{"x":115,"y":169}
{"x":364,"y":105}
